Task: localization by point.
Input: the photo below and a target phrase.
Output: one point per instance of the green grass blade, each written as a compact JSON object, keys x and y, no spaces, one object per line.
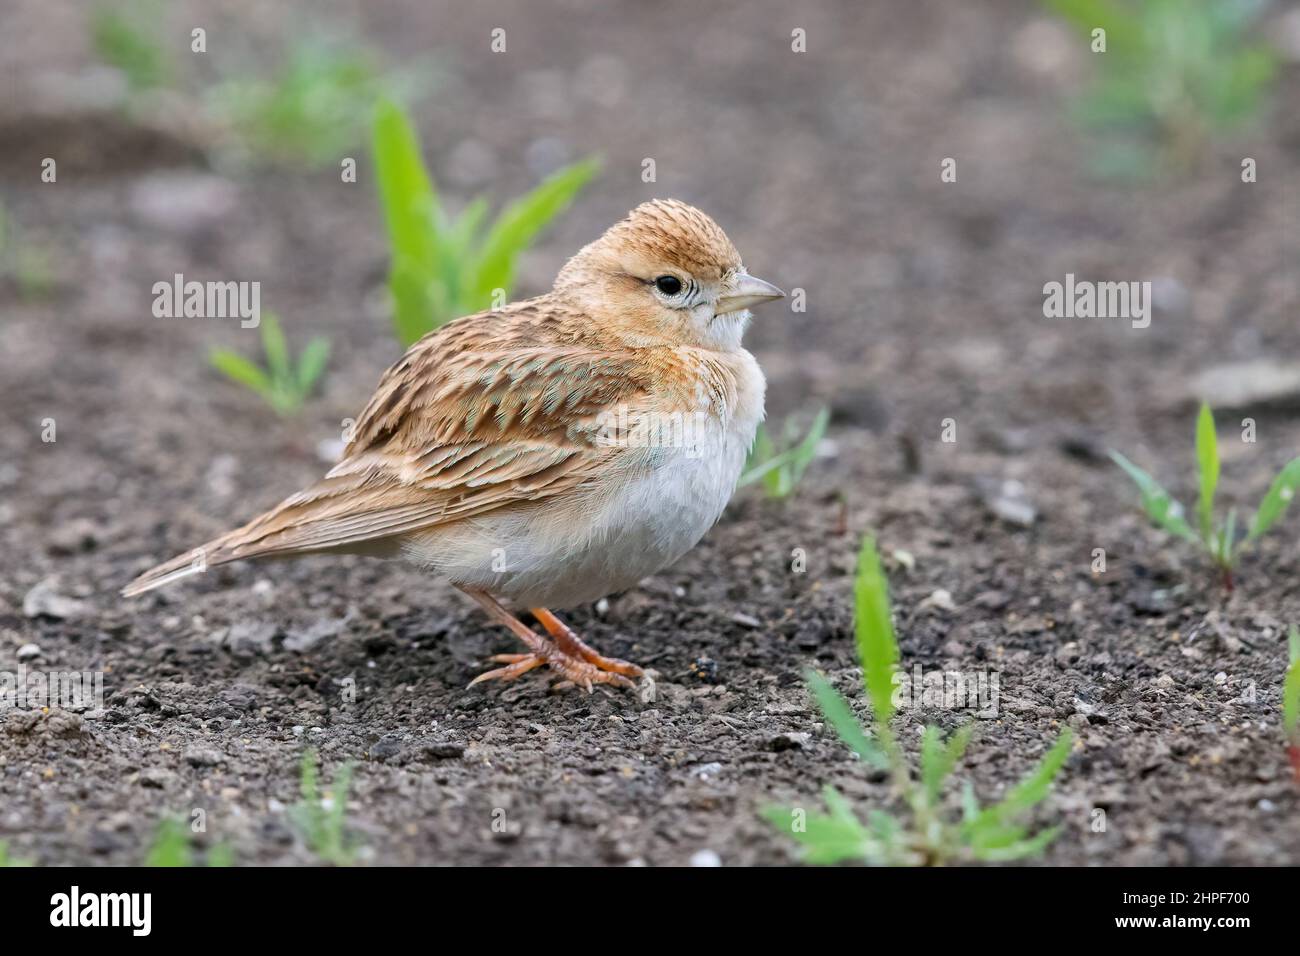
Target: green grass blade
{"x":311,"y":111}
{"x":958,"y":743}
{"x":806,"y":450}
{"x":239,"y":369}
{"x":1160,"y":506}
{"x":467,"y":225}
{"x":335,"y":847}
{"x":782,"y":471}
{"x":885,"y":827}
{"x":840,"y":716}
{"x":1019,"y":849}
{"x":826,"y":840}
{"x":171,"y":846}
{"x":877,"y":647}
{"x":1227,"y":539}
{"x":410,"y":207}
{"x":277,"y":351}
{"x":1034,"y":787}
{"x":126,"y":40}
{"x":311,"y":364}
{"x":1207,"y":460}
{"x":838,"y":805}
{"x":309,"y":808}
{"x":7,"y":861}
{"x":764,"y":460}
{"x":1277,"y":500}
{"x":938,"y":758}
{"x":1291,"y":689}
{"x":990,"y":834}
{"x":932,"y":762}
{"x":221,"y":856}
{"x":1123,"y":30}
{"x":517,"y":227}
{"x":970,"y":807}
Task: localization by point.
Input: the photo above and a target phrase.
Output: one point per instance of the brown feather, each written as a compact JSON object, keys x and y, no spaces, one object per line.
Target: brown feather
{"x":504,"y":407}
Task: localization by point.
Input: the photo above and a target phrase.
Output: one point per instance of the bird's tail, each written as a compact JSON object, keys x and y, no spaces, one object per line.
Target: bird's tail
{"x":214,"y":553}
{"x":276,"y":532}
{"x":347,"y":511}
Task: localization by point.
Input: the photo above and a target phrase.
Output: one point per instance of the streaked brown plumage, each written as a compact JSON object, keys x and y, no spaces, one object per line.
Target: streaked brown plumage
{"x":486,"y":452}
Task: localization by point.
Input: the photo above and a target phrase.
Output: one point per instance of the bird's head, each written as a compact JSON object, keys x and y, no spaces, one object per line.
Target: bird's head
{"x":665,"y":275}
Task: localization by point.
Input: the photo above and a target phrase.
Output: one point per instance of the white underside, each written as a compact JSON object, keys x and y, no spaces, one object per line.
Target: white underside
{"x":639,"y":519}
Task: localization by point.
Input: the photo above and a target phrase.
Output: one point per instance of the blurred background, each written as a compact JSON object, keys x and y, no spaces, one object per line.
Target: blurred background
{"x":825,"y":165}
{"x":818,"y":134}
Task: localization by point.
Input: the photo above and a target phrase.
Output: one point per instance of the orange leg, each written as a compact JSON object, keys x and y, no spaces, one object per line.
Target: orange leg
{"x":571,"y":644}
{"x":569,"y":661}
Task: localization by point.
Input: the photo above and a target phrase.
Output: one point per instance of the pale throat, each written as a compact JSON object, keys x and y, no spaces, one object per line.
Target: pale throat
{"x":725,"y":332}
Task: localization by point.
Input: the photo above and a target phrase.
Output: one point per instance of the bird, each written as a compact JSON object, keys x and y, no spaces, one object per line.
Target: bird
{"x":549,"y":452}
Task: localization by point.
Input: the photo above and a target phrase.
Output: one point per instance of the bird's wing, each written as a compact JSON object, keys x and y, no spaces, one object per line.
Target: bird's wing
{"x":471,"y":419}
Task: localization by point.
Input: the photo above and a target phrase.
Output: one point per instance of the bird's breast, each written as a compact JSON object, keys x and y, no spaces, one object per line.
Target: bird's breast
{"x":676,"y":469}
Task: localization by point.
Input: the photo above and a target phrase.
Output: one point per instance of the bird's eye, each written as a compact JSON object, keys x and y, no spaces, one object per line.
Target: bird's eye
{"x":668,"y":285}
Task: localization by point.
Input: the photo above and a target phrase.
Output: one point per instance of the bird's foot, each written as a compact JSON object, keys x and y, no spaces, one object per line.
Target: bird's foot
{"x":567,"y":655}
{"x":574,"y":671}
{"x":571,"y":644}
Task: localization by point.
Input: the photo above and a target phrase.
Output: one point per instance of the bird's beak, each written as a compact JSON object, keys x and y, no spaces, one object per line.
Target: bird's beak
{"x":744,"y":291}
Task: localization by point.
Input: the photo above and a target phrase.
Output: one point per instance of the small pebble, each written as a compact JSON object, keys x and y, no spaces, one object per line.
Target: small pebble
{"x":940,"y":599}
{"x":202,"y":757}
{"x":789,"y":741}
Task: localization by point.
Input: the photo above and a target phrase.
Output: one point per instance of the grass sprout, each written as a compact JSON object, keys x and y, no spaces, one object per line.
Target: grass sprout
{"x":305,"y":111}
{"x":284,"y":383}
{"x":321,"y":820}
{"x":443,"y":267}
{"x":24,"y":261}
{"x":125,"y":36}
{"x":1173,"y":75}
{"x":6,"y":860}
{"x":171,"y":848}
{"x":781,"y":468}
{"x":1219,"y":540}
{"x":924,"y":831}
{"x":312,"y":109}
{"x":1291,"y":701}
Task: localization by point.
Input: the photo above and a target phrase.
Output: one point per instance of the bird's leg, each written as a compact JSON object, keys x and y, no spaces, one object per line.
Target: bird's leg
{"x":568,"y":664}
{"x":575,"y":646}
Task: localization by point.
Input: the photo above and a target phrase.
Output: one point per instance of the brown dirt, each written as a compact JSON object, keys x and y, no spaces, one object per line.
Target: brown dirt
{"x":924,"y":303}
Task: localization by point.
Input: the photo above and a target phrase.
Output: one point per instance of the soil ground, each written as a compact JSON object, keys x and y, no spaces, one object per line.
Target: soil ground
{"x":924,"y":303}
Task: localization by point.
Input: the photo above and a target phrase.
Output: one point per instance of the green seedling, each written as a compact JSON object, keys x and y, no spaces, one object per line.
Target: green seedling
{"x":1219,"y":540}
{"x":781,"y":469}
{"x":443,"y":267}
{"x":284,"y":384}
{"x":171,"y":847}
{"x":125,"y":36}
{"x":1172,"y":76}
{"x":312,"y":110}
{"x":1291,"y":702}
{"x":6,"y":860}
{"x":926,"y":832}
{"x":24,"y":261}
{"x":321,"y":821}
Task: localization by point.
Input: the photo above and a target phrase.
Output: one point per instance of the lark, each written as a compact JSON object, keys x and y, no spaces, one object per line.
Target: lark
{"x":522,"y":453}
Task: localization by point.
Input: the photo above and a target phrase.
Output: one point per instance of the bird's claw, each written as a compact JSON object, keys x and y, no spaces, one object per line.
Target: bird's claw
{"x":574,"y":671}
